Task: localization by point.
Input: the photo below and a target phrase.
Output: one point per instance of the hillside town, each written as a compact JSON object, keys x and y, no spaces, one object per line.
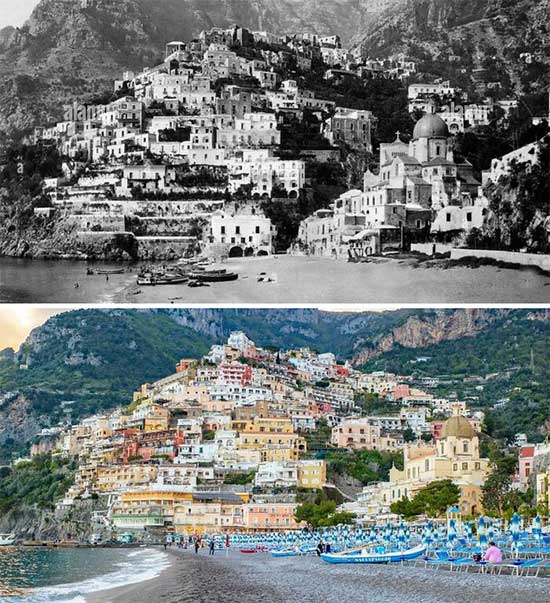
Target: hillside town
{"x":188,"y":156}
{"x":226,"y":444}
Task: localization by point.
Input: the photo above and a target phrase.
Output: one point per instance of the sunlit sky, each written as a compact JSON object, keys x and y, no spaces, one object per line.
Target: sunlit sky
{"x":16,"y":322}
{"x":15,"y":12}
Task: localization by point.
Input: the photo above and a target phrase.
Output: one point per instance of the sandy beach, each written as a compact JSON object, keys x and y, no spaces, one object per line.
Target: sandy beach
{"x":295,"y":280}
{"x":298,"y":280}
{"x":260,"y":577}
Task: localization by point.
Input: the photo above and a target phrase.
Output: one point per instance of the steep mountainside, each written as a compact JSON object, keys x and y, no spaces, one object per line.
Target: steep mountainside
{"x":70,"y":49}
{"x":453,"y":39}
{"x":83,"y":361}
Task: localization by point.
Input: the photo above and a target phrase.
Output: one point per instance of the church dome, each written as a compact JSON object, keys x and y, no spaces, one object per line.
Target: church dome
{"x":458,"y":427}
{"x":430,"y":126}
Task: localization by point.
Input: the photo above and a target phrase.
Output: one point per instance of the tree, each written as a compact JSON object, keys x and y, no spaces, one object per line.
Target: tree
{"x":432,"y":500}
{"x":322,"y":515}
{"x":409,"y":435}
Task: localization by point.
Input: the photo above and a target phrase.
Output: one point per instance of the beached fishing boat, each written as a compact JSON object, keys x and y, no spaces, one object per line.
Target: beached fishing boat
{"x":214,"y":276}
{"x":151,"y":280}
{"x":376,"y":554}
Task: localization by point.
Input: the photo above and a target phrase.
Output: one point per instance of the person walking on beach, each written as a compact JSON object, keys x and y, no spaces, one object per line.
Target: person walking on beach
{"x":211,"y":546}
{"x":320,"y":548}
{"x":493,"y":554}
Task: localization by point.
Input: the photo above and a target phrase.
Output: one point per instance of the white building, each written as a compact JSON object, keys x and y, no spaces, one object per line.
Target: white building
{"x":242,"y":234}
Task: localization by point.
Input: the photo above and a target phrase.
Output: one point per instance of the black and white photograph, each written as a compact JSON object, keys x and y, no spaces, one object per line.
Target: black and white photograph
{"x":282,"y":151}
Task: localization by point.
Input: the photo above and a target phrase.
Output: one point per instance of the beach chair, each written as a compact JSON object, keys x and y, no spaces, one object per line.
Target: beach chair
{"x":461,"y":564}
{"x":441,"y":558}
{"x":521,"y":567}
{"x":489,"y":568}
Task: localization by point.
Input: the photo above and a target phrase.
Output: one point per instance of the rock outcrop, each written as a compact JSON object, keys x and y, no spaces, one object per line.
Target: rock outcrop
{"x":504,"y":41}
{"x":418,"y":332}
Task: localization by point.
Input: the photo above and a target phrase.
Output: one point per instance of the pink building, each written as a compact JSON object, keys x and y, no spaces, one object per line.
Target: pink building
{"x":525,"y":465}
{"x":359,"y":433}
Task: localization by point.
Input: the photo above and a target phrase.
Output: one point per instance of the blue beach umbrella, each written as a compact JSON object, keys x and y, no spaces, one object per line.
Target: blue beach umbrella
{"x":515,"y":529}
{"x":481,"y":532}
{"x":537,"y":528}
{"x":451,"y":533}
{"x":401,"y":536}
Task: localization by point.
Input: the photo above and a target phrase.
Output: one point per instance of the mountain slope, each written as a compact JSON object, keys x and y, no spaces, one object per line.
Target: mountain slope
{"x":452,"y":39}
{"x":68,"y":51}
{"x":94,"y":359}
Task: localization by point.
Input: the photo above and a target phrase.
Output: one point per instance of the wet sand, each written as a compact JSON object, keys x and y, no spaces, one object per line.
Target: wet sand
{"x":260,"y":577}
{"x":302,"y":280}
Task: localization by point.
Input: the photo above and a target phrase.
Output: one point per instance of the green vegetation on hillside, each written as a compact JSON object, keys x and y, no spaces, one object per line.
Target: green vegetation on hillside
{"x":366,"y":466}
{"x":41,"y":482}
{"x":96,"y":359}
{"x":513,"y":353}
{"x":322,"y":515}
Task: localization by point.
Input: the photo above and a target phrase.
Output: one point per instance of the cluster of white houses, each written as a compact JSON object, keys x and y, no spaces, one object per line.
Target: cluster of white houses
{"x":183,"y":137}
{"x":166,"y":160}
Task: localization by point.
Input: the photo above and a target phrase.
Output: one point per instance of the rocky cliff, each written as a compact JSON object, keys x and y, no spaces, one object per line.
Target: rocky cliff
{"x":96,"y":358}
{"x":483,"y":39}
{"x":418,"y":332}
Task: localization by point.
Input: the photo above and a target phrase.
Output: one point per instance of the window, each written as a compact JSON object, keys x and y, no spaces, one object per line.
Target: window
{"x":222,"y":230}
{"x":448,"y":217}
{"x":469,"y":216}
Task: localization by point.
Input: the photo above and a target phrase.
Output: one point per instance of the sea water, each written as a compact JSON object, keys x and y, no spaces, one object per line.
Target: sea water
{"x":67,"y":575}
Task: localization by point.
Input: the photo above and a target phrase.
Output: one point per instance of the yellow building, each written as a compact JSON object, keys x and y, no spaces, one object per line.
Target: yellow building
{"x":543,"y":487}
{"x":114,"y":478}
{"x":149,"y":508}
{"x":274,"y":437}
{"x":312,"y":474}
{"x":455,"y":456}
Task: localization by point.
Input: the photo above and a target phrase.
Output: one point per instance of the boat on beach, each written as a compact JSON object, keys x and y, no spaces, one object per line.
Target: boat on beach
{"x":153,"y":280}
{"x":214,"y":276}
{"x":377,"y":554}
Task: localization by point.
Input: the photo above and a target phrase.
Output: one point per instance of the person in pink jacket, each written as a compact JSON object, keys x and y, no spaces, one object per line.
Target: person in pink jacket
{"x":493,"y":554}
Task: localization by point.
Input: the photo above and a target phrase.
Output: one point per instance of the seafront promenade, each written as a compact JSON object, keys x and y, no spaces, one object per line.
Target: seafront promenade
{"x":234,"y":577}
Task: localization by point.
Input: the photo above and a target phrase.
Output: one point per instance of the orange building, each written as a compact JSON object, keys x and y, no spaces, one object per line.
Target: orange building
{"x":270,"y":516}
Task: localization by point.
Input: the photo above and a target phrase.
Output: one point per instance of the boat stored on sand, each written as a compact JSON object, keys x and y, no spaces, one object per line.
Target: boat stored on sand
{"x":377,"y":554}
{"x":214,"y":276}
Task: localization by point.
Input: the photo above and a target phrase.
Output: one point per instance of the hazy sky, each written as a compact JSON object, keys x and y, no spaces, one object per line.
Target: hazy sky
{"x":16,"y":322}
{"x":15,"y":12}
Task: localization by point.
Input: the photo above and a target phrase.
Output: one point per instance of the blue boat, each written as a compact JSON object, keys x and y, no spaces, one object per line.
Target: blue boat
{"x":375,"y":555}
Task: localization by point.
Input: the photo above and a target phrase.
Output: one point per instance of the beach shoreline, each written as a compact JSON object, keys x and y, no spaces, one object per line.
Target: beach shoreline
{"x":286,"y":279}
{"x":227,"y":578}
{"x":402,"y":279}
